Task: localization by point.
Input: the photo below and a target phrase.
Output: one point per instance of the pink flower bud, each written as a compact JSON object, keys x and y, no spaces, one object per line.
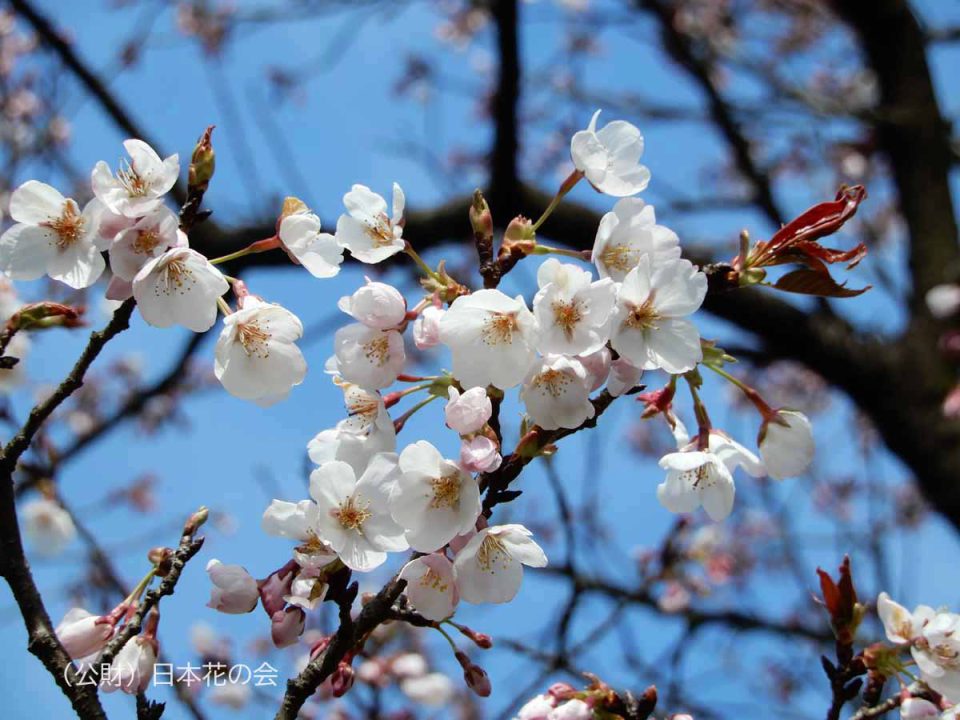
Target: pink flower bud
{"x":571,"y":710}
{"x":480,"y":454}
{"x":426,"y":328}
{"x":469,"y":412}
{"x":286,"y":626}
{"x":234,"y":591}
{"x":624,"y":376}
{"x":537,"y":708}
{"x":342,"y":679}
{"x":132,"y":669}
{"x":275,"y":587}
{"x":82,"y":633}
{"x":597,"y":365}
{"x":561,"y":691}
{"x":376,"y":305}
{"x":477,"y":680}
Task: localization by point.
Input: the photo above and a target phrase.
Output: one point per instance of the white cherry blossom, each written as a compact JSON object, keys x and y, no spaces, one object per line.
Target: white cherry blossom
{"x":491,"y":338}
{"x":431,"y":586}
{"x":572,"y":311}
{"x":626,"y":234}
{"x":704,"y":477}
{"x":180,"y":287}
{"x":353,"y":514}
{"x":319,"y":252}
{"x":556,"y":393}
{"x":149,"y":237}
{"x":490,"y":567}
{"x":47,"y":526}
{"x":298,"y":521}
{"x":786,"y":444}
{"x":943,"y":300}
{"x":426,"y":328}
{"x":83,"y":634}
{"x":366,"y":230}
{"x":367,"y":431}
{"x":469,"y":411}
{"x":573,"y":709}
{"x":234,"y":590}
{"x":537,"y":708}
{"x":650,"y":328}
{"x":433,"y":500}
{"x":368,"y":357}
{"x":480,"y":454}
{"x":139,"y":184}
{"x":610,"y":157}
{"x":433,"y":689}
{"x":918,"y":709}
{"x":376,"y":305}
{"x":132,"y":669}
{"x":51,"y":237}
{"x":256,"y":357}
{"x":307,"y":590}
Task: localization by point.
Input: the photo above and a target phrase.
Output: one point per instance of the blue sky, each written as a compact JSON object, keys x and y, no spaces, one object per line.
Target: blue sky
{"x":234,"y":457}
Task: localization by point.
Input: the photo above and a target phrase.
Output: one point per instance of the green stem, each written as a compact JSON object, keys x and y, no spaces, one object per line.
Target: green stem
{"x":548,"y":250}
{"x":424,"y":268}
{"x":751,"y":394}
{"x":565,"y":187}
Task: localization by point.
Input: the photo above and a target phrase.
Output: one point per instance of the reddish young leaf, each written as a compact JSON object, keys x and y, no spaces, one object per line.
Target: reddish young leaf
{"x":813,"y":282}
{"x":821,"y":220}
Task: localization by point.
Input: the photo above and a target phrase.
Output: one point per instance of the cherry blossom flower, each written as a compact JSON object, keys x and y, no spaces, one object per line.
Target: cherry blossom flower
{"x":83,"y":634}
{"x":917,"y":709}
{"x":480,"y":454}
{"x":433,"y":690}
{"x":597,"y":365}
{"x":491,"y":339}
{"x":234,"y":591}
{"x":366,"y":230}
{"x":307,"y":590}
{"x":786,"y":444}
{"x":698,"y":477}
{"x":256,"y":357}
{"x":556,"y":393}
{"x":298,"y":521}
{"x":433,"y":500}
{"x":626,"y":234}
{"x":51,"y":237}
{"x":490,"y":567}
{"x":132,"y":669}
{"x":368,"y":431}
{"x":368,"y":357}
{"x":610,"y":157}
{"x":467,"y":412}
{"x":624,"y":376}
{"x":319,"y":252}
{"x":376,"y":305}
{"x":180,"y":287}
{"x":572,"y":311}
{"x":574,"y":709}
{"x":431,"y":586}
{"x":943,"y":301}
{"x":934,"y":640}
{"x":650,"y":329}
{"x":426,"y":328}
{"x":354,"y":515}
{"x":409,"y":664}
{"x":140,"y":184}
{"x":47,"y":526}
{"x":149,"y":237}
{"x":537,"y":708}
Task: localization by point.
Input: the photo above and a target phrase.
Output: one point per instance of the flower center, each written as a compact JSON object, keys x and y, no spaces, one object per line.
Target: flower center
{"x":131,"y":181}
{"x":175,"y":277}
{"x":446,"y":491}
{"x":618,"y":257}
{"x":491,"y":553}
{"x":69,"y":226}
{"x":146,"y":242}
{"x":700,"y":477}
{"x":431,"y":579}
{"x":381,"y":232}
{"x":643,"y":316}
{"x":553,"y":382}
{"x":498,"y":329}
{"x":378,"y":350}
{"x":255,"y":339}
{"x":350,"y":515}
{"x":567,"y":316}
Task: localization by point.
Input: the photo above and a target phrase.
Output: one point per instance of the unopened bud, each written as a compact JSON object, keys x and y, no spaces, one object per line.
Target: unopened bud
{"x":342,"y":679}
{"x":482,"y":640}
{"x":44,"y":315}
{"x":481,"y":219}
{"x":561,"y":691}
{"x":160,"y":557}
{"x":519,"y":236}
{"x":203,"y":162}
{"x":195,"y":521}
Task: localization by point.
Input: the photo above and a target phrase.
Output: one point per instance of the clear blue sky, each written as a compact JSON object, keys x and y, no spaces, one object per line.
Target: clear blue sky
{"x":234,"y":456}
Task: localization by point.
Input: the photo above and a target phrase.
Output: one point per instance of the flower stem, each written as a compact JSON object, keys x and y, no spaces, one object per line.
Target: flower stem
{"x":565,"y":187}
{"x":402,"y":420}
{"x":750,"y":393}
{"x":224,"y":308}
{"x":548,"y":250}
{"x":254,"y":247}
{"x":415,"y":256}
